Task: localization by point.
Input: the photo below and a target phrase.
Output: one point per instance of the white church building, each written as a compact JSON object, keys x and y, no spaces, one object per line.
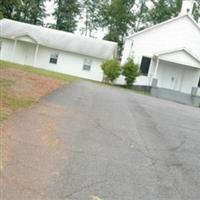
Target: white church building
{"x":168,"y":53}
{"x":54,"y":50}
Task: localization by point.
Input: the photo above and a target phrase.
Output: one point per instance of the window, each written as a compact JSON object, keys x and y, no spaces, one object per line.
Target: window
{"x":87,"y":64}
{"x":53,"y":58}
{"x":145,"y":64}
{"x":199,"y":83}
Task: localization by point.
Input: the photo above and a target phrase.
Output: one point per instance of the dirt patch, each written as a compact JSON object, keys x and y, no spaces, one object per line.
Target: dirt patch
{"x":33,"y":151}
{"x":19,"y":89}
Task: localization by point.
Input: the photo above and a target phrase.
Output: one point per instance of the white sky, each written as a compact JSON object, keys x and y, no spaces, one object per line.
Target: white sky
{"x":49,"y":9}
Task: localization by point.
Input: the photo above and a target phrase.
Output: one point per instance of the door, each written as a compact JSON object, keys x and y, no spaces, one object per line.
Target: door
{"x":29,"y":54}
{"x":175,"y":79}
{"x":170,"y":76}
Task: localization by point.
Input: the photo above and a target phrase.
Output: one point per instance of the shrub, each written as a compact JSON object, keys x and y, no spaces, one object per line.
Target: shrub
{"x":111,"y":69}
{"x":130,"y":70}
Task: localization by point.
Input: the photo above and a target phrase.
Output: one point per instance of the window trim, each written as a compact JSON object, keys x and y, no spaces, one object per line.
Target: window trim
{"x":144,"y":56}
{"x":87,"y":64}
{"x":54,"y":58}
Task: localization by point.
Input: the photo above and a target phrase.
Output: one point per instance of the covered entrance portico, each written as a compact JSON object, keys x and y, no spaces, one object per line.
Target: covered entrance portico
{"x":177,"y":70}
{"x":25,"y":50}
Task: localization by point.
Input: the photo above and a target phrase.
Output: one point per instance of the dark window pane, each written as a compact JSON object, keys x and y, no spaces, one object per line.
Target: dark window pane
{"x":145,"y":64}
{"x":53,"y":60}
{"x":86,"y":67}
{"x":199,"y":83}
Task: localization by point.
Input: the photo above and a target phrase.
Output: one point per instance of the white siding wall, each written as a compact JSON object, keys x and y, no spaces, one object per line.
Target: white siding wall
{"x":178,"y":33}
{"x":68,"y":63}
{"x":6,"y":49}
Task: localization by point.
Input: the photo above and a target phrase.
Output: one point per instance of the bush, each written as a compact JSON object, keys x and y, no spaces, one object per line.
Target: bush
{"x":130,"y":70}
{"x":111,"y":69}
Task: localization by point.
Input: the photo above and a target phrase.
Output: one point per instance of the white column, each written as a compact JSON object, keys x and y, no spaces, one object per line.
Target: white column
{"x":36,"y":55}
{"x":13,"y":50}
{"x":156,"y":69}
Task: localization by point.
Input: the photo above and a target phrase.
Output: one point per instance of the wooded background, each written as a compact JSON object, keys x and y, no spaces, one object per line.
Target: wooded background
{"x":118,"y":17}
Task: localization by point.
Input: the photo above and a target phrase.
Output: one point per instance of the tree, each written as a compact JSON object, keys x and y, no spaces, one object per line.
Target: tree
{"x":164,"y":9}
{"x":1,"y":15}
{"x":66,"y":15}
{"x":31,"y":11}
{"x":117,"y":16}
{"x":130,"y":70}
{"x":196,"y":11}
{"x":90,"y":11}
{"x":8,"y":8}
{"x":111,"y":69}
{"x":142,"y":17}
{"x":38,"y":12}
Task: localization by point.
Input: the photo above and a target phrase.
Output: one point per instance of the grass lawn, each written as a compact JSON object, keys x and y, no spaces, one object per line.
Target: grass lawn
{"x":23,"y":86}
{"x":38,"y":71}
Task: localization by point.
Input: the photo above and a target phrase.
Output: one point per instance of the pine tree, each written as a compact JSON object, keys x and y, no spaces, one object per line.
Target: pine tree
{"x":141,"y":15}
{"x":117,"y":17}
{"x":66,"y":14}
{"x":163,"y":10}
{"x":91,"y":9}
{"x":8,"y":8}
{"x":38,"y":12}
{"x":32,"y":11}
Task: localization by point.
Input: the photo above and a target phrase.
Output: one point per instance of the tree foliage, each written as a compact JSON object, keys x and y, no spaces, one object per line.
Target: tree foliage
{"x":90,"y":13}
{"x":196,"y":11}
{"x":111,"y":69}
{"x":8,"y":8}
{"x":66,"y":13}
{"x":30,"y":11}
{"x":130,"y":70}
{"x":117,"y":17}
{"x":163,"y":10}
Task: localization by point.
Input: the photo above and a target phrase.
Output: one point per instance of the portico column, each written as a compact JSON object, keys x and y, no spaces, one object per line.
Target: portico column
{"x":156,"y":69}
{"x":13,"y":50}
{"x":36,"y":55}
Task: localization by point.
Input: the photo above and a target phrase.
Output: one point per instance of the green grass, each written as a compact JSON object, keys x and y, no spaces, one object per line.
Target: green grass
{"x":3,"y":116}
{"x":15,"y":104}
{"x":38,"y":71}
{"x":4,"y":83}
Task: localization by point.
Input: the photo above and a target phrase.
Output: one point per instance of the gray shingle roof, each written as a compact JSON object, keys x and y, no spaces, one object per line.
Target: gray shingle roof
{"x":59,"y":39}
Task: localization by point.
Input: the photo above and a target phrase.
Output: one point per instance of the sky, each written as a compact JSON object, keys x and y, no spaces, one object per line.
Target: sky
{"x":49,"y":9}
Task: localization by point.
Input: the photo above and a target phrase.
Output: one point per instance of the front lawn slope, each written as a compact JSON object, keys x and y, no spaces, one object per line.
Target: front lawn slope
{"x":22,"y":86}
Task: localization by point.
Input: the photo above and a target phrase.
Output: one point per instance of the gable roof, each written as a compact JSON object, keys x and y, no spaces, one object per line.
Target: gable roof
{"x":59,"y":39}
{"x":177,"y":50}
{"x":181,"y":56}
{"x":163,"y":23}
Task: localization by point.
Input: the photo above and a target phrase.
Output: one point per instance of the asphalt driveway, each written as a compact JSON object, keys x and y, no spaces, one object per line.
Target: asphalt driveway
{"x":90,"y":141}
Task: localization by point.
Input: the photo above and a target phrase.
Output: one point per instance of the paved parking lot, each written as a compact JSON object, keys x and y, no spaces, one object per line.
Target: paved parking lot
{"x":90,"y":141}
